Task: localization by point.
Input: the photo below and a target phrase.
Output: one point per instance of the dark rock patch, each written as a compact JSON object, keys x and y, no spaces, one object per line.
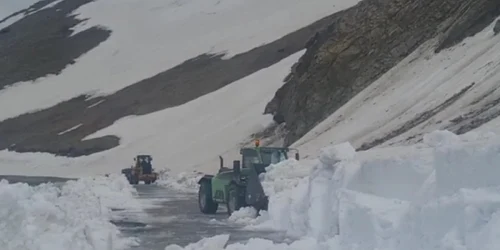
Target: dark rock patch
{"x":33,"y":8}
{"x":40,"y":44}
{"x":484,"y":96}
{"x":474,"y":119}
{"x":362,"y":43}
{"x":496,"y":29}
{"x":124,"y":223}
{"x":38,"y":131}
{"x":468,"y":21}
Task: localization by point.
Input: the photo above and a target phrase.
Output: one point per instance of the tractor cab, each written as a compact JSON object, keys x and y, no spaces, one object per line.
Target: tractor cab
{"x":261,"y":157}
{"x":265,"y":155}
{"x":258,"y":157}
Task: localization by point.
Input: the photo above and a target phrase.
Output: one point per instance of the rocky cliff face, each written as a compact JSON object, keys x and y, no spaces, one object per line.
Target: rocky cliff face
{"x":360,"y":45}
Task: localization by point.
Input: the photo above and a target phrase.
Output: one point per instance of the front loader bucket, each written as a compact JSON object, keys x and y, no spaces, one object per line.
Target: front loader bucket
{"x":255,"y":195}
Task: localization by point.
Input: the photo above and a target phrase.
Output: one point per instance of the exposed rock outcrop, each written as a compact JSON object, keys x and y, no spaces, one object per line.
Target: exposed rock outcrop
{"x":361,"y":44}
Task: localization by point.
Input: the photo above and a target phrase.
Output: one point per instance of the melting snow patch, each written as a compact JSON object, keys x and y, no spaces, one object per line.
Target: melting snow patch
{"x":245,"y":215}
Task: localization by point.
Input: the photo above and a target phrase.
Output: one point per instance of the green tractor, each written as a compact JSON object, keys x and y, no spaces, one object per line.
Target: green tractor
{"x":240,"y":186}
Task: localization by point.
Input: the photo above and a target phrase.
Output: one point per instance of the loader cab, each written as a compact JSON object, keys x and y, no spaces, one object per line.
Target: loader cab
{"x":143,"y":162}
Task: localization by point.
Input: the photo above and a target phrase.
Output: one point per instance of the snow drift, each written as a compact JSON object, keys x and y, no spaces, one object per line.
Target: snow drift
{"x":449,"y":199}
{"x":74,"y":216}
{"x":185,"y":182}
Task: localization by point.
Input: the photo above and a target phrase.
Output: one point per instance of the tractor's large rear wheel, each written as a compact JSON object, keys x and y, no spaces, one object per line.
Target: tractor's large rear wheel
{"x":235,"y":199}
{"x":205,"y":201}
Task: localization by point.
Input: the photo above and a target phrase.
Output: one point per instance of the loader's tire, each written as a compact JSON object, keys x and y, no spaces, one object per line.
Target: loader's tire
{"x":205,"y":201}
{"x":129,"y":179}
{"x":235,"y":199}
{"x":147,"y":182}
{"x":134,"y":180}
{"x":128,"y":175}
{"x":263,"y":206}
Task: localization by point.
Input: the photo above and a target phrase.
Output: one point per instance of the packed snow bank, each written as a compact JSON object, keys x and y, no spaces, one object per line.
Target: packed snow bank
{"x":448,"y":199}
{"x":74,"y":216}
{"x":302,"y":198}
{"x":467,"y":219}
{"x":245,"y":215}
{"x":186,"y":182}
{"x":473,"y":166}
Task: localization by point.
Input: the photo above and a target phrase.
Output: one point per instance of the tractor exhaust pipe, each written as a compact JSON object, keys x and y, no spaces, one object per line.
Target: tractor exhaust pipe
{"x":221,"y":162}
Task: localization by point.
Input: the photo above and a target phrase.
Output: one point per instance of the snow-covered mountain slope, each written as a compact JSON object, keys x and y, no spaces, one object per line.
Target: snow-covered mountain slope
{"x":174,"y":137}
{"x":423,"y":93}
{"x":148,"y":38}
{"x":357,"y":49}
{"x":181,"y":138}
{"x":154,"y":37}
{"x":440,"y":194}
{"x":191,"y":136}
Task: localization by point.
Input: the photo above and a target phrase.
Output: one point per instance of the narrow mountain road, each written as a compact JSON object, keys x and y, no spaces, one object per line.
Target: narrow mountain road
{"x":176,"y":219}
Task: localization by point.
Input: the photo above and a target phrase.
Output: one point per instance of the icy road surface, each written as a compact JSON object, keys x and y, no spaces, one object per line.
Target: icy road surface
{"x":176,"y":219}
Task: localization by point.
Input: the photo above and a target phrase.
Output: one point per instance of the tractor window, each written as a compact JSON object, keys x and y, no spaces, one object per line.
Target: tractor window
{"x":273,"y":157}
{"x":265,"y":157}
{"x":249,"y":160}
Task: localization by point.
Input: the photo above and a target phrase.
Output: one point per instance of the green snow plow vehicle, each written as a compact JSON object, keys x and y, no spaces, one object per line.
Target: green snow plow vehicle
{"x":240,"y":186}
